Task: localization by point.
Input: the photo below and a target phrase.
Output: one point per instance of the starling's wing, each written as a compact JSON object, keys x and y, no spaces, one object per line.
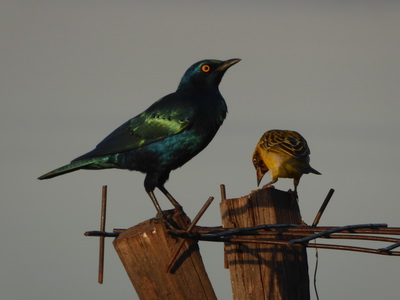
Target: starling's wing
{"x":286,"y":142}
{"x":158,"y":122}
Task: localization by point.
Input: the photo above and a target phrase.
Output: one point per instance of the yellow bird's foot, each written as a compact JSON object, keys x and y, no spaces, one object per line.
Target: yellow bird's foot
{"x":294,"y":195}
{"x":268,"y":186}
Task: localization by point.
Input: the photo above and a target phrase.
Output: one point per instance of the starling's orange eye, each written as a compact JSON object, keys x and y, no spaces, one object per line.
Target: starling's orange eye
{"x":205,"y":68}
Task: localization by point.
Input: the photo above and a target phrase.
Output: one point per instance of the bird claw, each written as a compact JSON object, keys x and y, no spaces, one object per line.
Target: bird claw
{"x":175,"y":220}
{"x":293,"y":195}
{"x":179,"y":217}
{"x":268,"y":186}
{"x":173,"y":228}
{"x":171,"y":225}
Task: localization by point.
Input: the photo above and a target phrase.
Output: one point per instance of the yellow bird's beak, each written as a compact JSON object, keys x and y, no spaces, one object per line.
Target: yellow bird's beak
{"x":260,"y":175}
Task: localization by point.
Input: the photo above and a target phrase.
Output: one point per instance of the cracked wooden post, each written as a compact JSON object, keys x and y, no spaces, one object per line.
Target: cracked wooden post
{"x":145,"y":251}
{"x":262,"y":271}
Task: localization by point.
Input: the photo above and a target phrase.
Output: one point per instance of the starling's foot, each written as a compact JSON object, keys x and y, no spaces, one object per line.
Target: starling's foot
{"x":171,"y":224}
{"x":179,"y":209}
{"x":179,"y":217}
{"x":176,"y":221}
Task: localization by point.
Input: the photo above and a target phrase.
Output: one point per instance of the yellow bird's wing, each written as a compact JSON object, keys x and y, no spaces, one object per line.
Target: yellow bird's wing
{"x":285,"y":142}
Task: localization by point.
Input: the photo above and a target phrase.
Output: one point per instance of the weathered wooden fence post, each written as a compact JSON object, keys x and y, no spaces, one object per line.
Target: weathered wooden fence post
{"x":146,"y":249}
{"x":261,"y":271}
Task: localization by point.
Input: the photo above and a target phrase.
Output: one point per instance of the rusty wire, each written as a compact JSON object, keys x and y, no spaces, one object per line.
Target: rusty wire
{"x":267,"y":234}
{"x":288,"y":235}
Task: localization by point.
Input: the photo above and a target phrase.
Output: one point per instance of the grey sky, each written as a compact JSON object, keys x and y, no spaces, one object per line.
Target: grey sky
{"x":72,"y":71}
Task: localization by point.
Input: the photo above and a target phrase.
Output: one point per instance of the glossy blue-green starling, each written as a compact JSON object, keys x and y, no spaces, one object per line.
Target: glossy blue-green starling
{"x":167,"y":134}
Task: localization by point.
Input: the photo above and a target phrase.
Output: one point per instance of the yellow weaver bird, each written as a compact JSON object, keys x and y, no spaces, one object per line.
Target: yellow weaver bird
{"x":285,"y":153}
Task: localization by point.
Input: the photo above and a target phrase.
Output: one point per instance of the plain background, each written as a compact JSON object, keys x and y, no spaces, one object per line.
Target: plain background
{"x":72,"y":71}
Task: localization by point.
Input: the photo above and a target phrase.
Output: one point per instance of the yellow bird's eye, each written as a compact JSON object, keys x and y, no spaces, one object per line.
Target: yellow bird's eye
{"x":205,"y":68}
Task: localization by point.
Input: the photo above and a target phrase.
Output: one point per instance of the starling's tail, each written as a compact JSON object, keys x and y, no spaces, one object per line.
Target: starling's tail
{"x":66,"y":169}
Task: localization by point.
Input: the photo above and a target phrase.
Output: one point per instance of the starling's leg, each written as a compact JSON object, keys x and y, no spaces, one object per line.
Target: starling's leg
{"x":170,"y":198}
{"x":156,"y":204}
{"x":159,"y":210}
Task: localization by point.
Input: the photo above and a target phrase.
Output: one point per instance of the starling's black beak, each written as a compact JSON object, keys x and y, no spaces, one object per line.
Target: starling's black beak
{"x":220,"y":71}
{"x":227,"y":64}
{"x":260,"y":175}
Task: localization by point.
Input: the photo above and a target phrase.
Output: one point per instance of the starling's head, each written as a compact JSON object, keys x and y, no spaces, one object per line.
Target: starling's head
{"x":206,"y":74}
{"x":259,"y":165}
